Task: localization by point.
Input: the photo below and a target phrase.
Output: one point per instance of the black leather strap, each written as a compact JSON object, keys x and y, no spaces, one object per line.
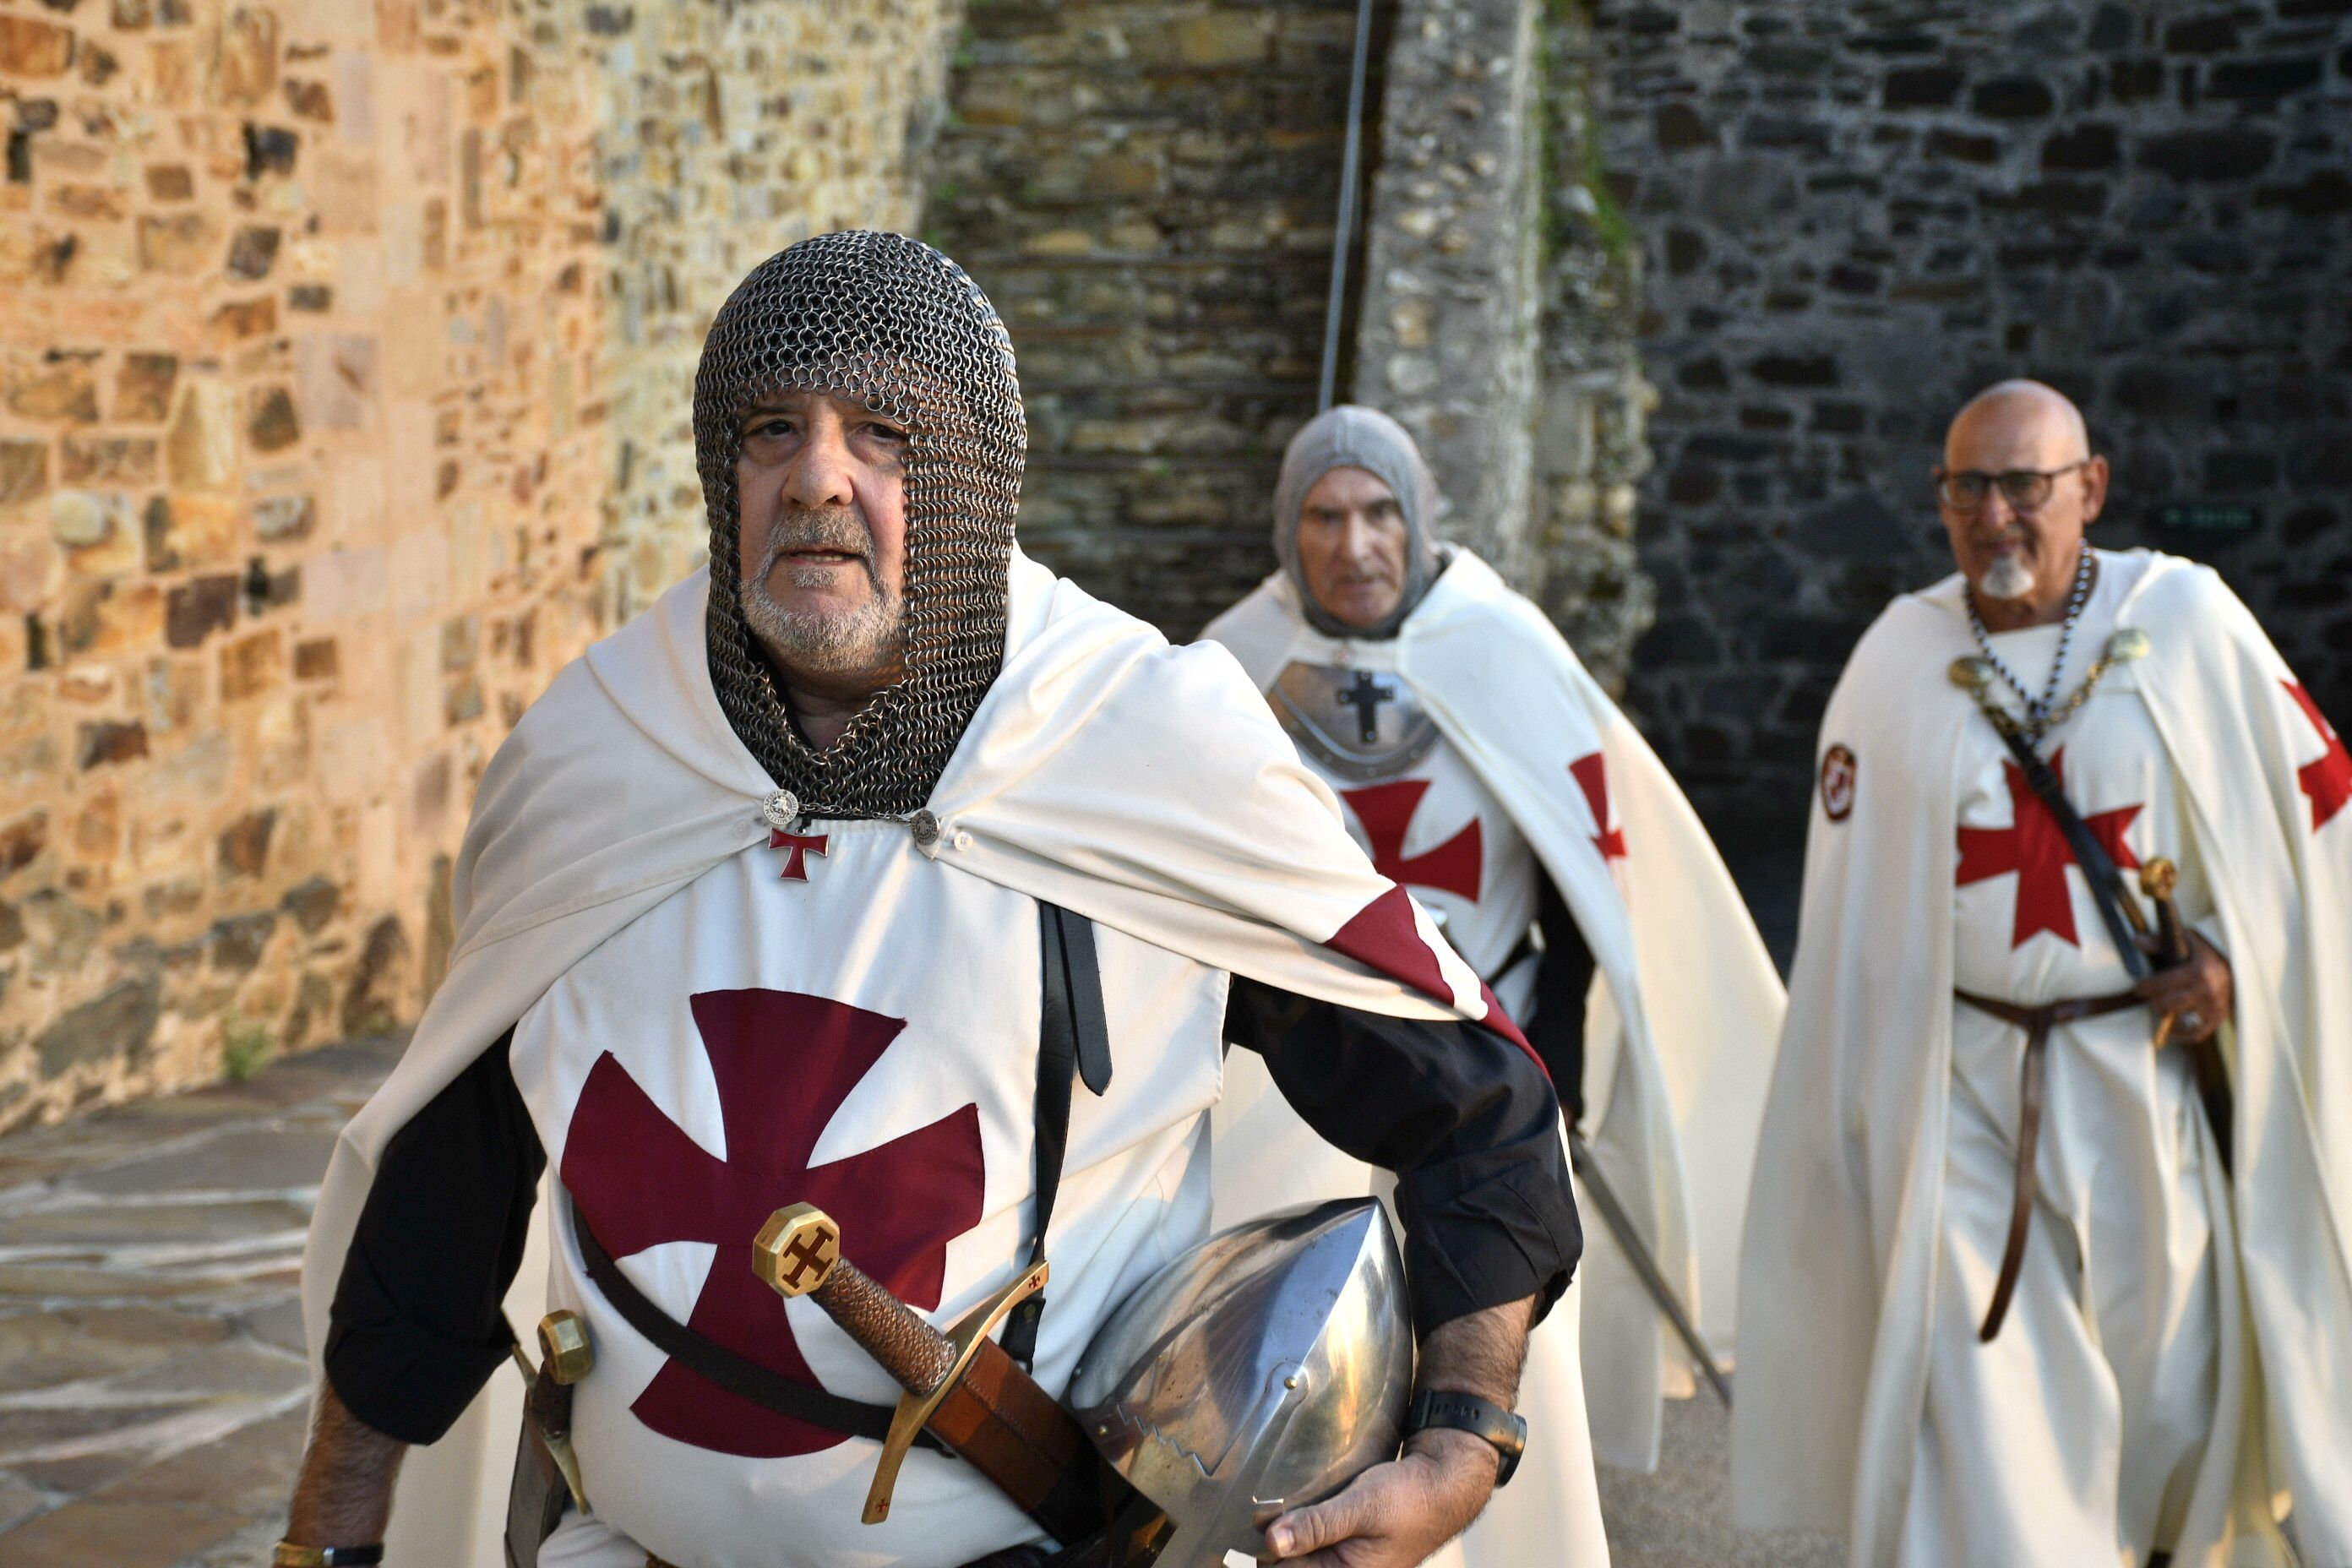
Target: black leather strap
{"x":1073,"y":1041}
{"x":714,"y":1362}
{"x":2107,"y":890}
{"x":1479,"y":1417}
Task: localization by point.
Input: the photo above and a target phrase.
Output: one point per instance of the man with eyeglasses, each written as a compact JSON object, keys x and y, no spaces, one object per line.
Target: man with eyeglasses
{"x":2046,"y":1260}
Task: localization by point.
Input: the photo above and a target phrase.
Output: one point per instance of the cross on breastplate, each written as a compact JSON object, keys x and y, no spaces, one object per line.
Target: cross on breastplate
{"x":797,"y":847}
{"x":1365,"y":697}
{"x":782,"y":1063}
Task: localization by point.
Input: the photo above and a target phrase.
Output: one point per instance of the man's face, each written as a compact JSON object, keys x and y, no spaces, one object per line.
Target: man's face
{"x":822,"y":548}
{"x":2012,"y":552}
{"x":1352,"y":545}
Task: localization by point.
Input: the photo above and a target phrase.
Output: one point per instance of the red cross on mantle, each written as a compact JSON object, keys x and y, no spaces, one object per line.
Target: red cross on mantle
{"x":783,"y":1062}
{"x":1386,"y":811}
{"x":2037,"y":851}
{"x":2329,"y":781}
{"x":1592,"y":778}
{"x":797,"y":847}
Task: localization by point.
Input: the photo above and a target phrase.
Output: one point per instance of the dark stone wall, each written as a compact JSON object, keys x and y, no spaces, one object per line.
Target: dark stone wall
{"x":1854,"y":215}
{"x":1147,"y":190}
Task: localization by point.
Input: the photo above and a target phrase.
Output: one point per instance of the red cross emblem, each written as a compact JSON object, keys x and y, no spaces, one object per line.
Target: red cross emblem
{"x":2038,"y":852}
{"x":783,"y":1062}
{"x":1592,"y":778}
{"x":2329,"y":781}
{"x":797,"y":848}
{"x":1386,"y":811}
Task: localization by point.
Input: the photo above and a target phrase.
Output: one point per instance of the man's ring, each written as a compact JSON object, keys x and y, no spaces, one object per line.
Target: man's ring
{"x":2192,"y":1021}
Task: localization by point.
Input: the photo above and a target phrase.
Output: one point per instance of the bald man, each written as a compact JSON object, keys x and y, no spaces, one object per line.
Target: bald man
{"x":2045,"y":1260}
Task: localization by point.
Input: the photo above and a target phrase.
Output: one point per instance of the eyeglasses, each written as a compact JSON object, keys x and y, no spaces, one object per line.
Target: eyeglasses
{"x":2026,"y":489}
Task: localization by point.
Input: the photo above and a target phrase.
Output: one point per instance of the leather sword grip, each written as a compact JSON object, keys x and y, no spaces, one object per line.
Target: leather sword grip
{"x":917,"y":1356}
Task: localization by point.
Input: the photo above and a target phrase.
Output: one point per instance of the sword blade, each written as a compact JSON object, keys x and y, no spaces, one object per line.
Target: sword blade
{"x":1637,"y":1251}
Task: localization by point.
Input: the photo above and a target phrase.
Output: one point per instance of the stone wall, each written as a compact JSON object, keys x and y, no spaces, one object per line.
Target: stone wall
{"x":341,"y":345}
{"x":1146,"y":189}
{"x":1854,"y":216}
{"x":1498,"y":318}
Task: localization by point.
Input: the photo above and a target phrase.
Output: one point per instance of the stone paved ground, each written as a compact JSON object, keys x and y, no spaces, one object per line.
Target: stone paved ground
{"x":152,"y":1383}
{"x":151,"y":1368}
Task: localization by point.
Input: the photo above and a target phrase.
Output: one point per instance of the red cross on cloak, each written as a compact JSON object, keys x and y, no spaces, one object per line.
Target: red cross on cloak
{"x":1386,"y":811}
{"x":2038,"y":852}
{"x":1592,"y":778}
{"x":797,"y":848}
{"x":2329,"y":781}
{"x":783,"y":1062}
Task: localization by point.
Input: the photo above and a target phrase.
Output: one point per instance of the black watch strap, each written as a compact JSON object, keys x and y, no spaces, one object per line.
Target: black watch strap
{"x":1479,"y":1417}
{"x":287,"y":1554}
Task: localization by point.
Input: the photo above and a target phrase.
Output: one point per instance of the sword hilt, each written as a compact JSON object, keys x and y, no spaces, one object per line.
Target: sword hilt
{"x":798,"y":1253}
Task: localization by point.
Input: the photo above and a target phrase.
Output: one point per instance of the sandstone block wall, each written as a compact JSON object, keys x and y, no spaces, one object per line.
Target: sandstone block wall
{"x":1854,"y":216}
{"x":343,"y":345}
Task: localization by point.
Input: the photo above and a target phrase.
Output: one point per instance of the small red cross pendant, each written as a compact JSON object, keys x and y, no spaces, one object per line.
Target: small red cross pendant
{"x":798,"y":846}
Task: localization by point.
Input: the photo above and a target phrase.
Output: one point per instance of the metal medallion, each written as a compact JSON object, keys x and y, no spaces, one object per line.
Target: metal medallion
{"x":925,"y":829}
{"x":2128,"y":644}
{"x":781,"y":810}
{"x":1971,"y":673}
{"x":1358,"y":724}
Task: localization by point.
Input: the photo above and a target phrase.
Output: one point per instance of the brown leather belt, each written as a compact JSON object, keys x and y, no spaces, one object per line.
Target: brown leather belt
{"x":2037,"y":1023}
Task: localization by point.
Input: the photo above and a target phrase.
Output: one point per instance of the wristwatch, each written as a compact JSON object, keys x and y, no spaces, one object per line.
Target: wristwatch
{"x":288,"y":1555}
{"x":1479,"y":1417}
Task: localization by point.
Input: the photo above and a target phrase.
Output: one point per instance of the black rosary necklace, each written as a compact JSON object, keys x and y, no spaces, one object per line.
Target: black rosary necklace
{"x":2038,"y":710}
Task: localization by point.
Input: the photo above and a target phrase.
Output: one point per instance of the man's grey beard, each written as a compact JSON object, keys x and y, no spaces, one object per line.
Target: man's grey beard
{"x":2007,"y":579}
{"x":814,"y":642}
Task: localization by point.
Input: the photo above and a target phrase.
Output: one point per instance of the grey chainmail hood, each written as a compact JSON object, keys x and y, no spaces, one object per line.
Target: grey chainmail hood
{"x":1351,"y":435}
{"x":889,"y":319}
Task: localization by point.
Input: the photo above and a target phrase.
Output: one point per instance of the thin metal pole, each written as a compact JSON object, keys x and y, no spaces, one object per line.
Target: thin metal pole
{"x":1351,"y":159}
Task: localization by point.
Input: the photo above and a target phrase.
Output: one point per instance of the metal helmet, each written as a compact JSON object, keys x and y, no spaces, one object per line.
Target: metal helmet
{"x":889,"y":319}
{"x":1260,"y":1371}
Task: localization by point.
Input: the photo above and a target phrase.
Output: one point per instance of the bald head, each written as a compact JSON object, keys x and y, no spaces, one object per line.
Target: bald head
{"x":2018,"y":485}
{"x":2038,"y":424}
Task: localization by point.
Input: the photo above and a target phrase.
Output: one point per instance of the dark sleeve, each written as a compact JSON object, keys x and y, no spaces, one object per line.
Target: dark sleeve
{"x":1464,"y":1118}
{"x":1563,"y":979}
{"x":417,"y":1326}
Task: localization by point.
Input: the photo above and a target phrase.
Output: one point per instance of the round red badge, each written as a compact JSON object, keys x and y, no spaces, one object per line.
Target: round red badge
{"x":1837,"y":783}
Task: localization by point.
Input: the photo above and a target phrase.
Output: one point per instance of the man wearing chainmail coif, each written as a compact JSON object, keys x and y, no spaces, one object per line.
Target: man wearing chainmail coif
{"x":2046,"y":1257}
{"x":780,"y":895}
{"x":1478,"y":763}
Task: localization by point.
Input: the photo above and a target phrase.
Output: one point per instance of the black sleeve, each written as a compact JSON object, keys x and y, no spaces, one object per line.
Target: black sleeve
{"x":1464,"y":1118}
{"x":417,"y":1326}
{"x":1563,"y":978}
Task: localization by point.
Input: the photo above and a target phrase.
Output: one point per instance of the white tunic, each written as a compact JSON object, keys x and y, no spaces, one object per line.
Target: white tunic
{"x":2080,"y":1433}
{"x":1435,"y":828}
{"x":903,"y":1018}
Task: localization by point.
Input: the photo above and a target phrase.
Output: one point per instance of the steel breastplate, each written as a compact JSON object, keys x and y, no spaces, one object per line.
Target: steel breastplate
{"x":1358,"y":723}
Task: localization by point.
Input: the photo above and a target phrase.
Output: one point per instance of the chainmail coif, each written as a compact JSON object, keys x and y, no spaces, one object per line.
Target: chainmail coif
{"x":889,"y":319}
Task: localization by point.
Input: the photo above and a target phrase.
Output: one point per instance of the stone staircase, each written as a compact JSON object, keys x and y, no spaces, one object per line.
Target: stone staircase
{"x":1146,"y":189}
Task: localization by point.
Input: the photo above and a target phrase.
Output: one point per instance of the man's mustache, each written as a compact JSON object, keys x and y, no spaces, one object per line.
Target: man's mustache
{"x":833,"y":528}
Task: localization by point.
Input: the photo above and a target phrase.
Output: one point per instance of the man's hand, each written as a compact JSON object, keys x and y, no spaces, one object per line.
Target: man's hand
{"x":1395,"y":1515}
{"x":2196,"y":995}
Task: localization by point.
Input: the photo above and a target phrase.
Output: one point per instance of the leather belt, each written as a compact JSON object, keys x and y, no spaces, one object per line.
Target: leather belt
{"x":2037,"y":1023}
